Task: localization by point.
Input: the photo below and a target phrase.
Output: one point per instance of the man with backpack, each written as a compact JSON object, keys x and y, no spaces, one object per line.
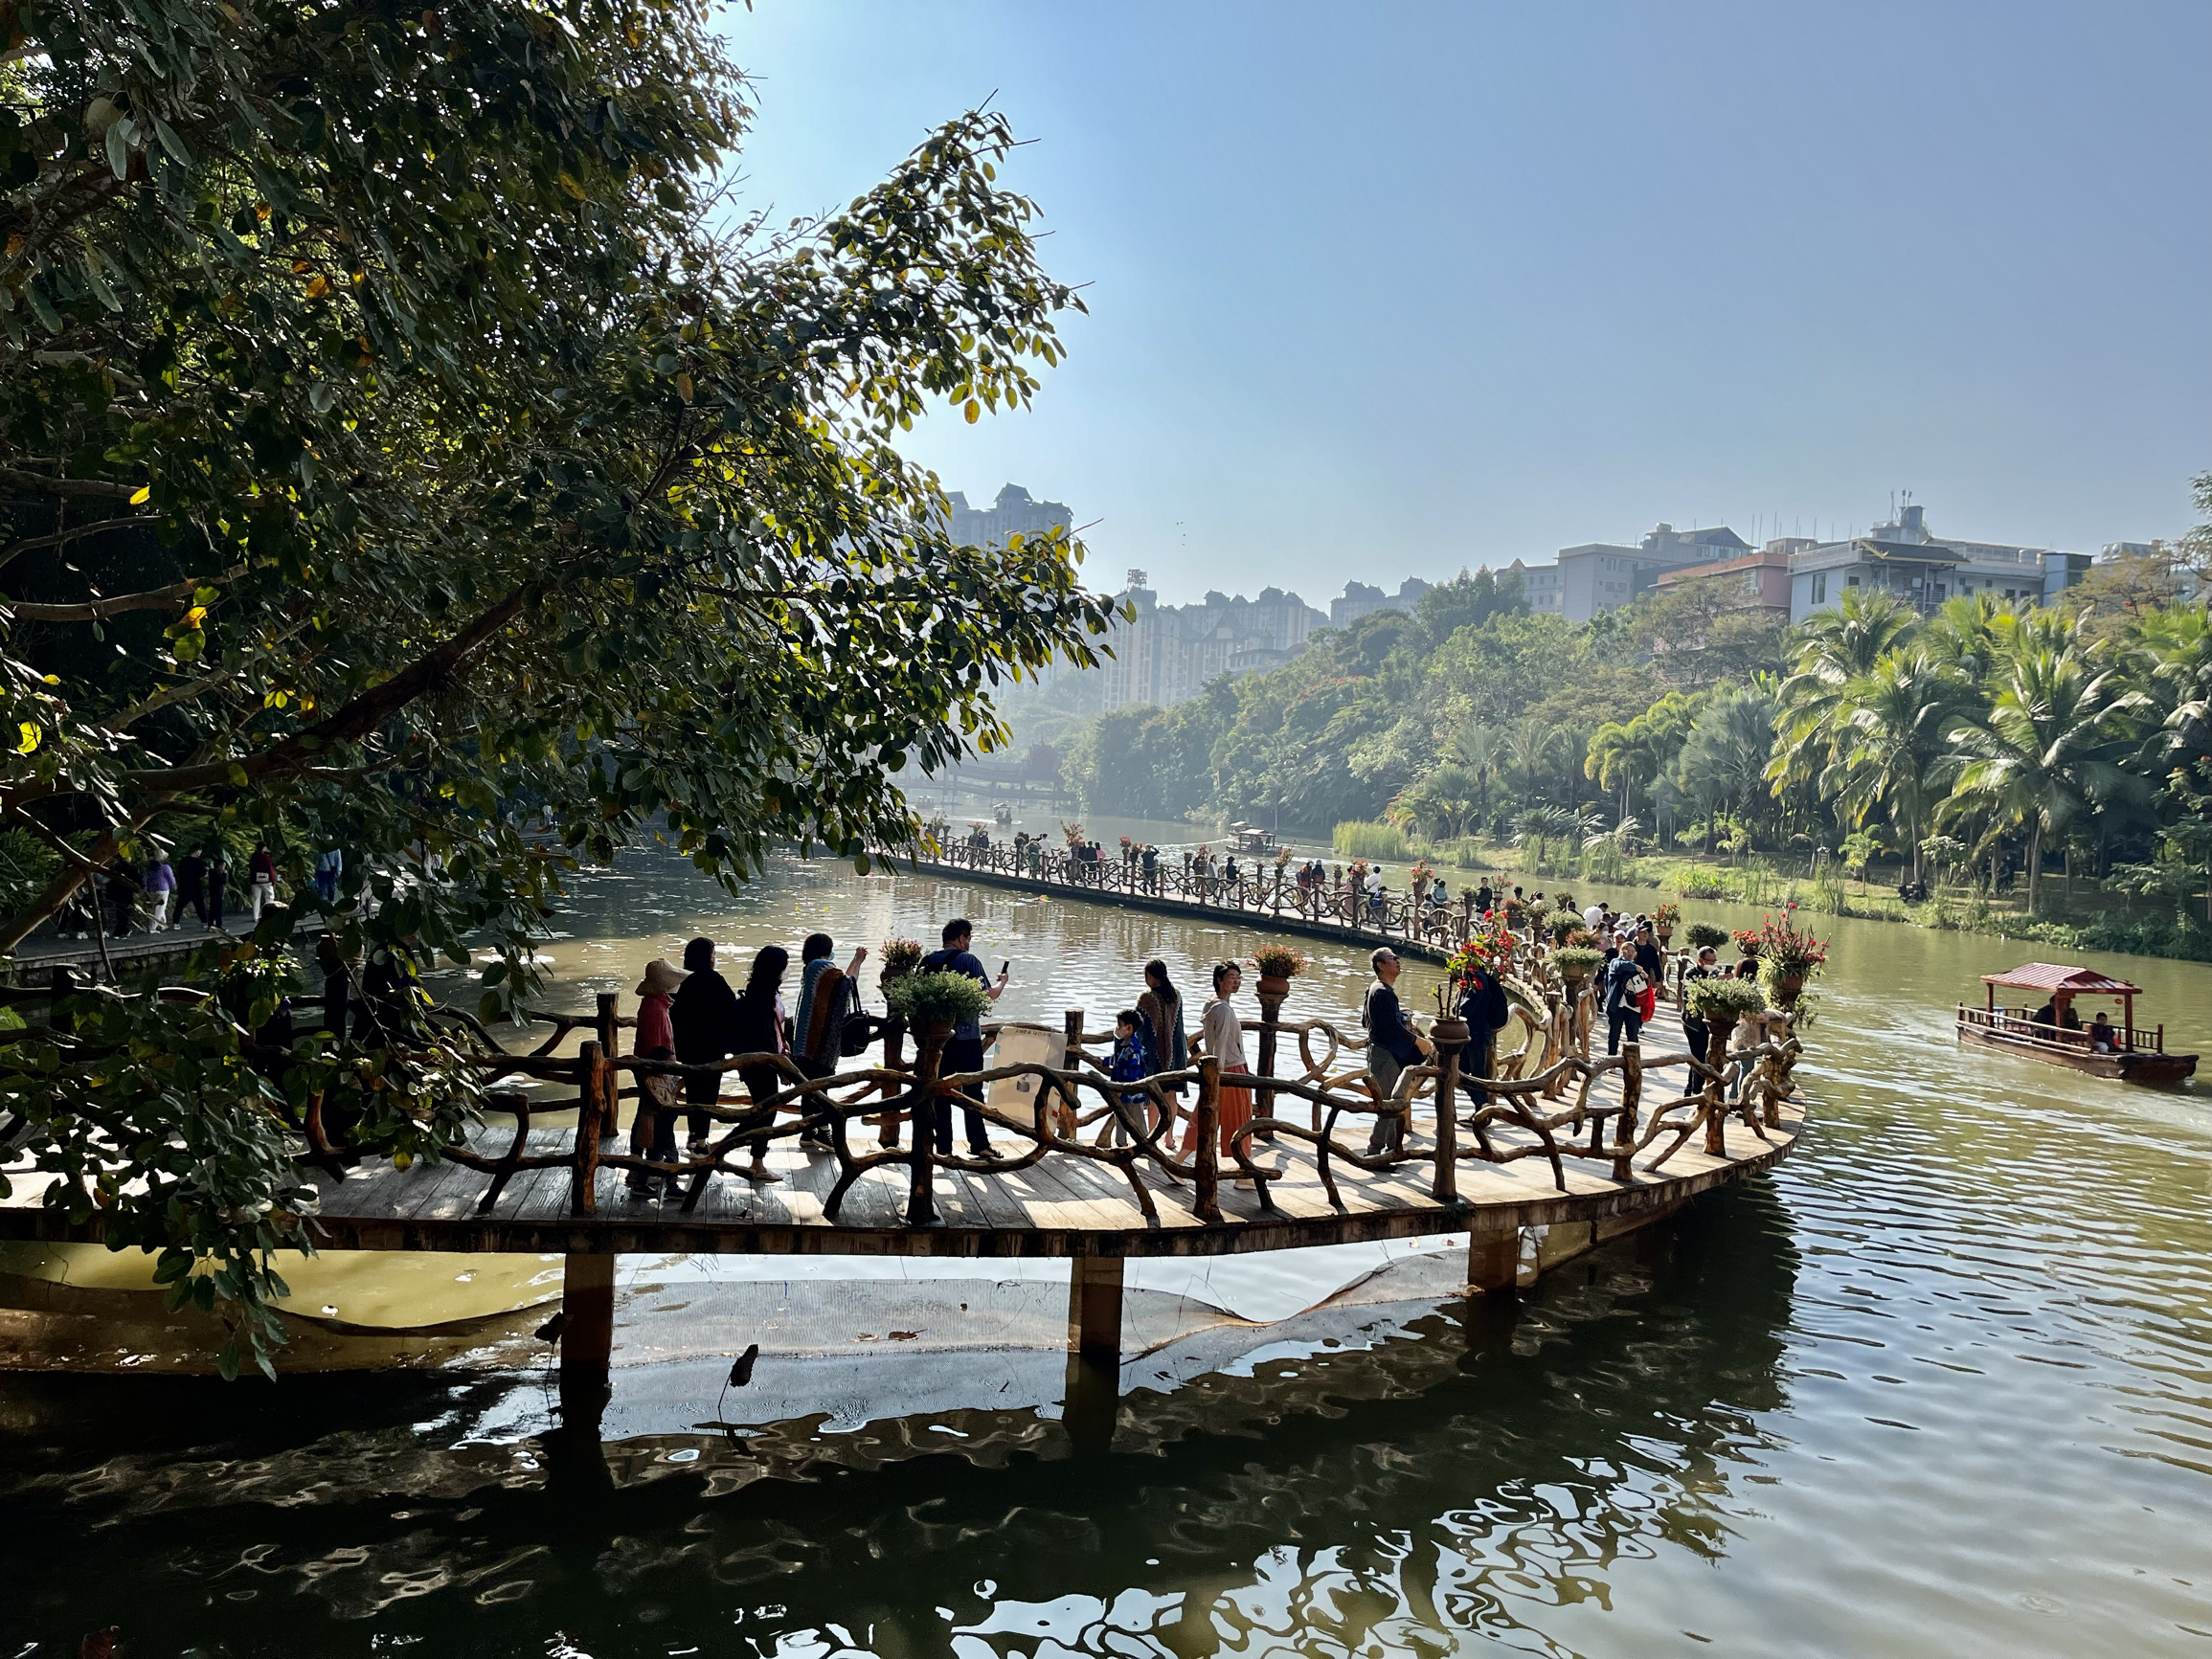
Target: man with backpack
{"x":1392,"y":1045}
{"x":965,"y":1049}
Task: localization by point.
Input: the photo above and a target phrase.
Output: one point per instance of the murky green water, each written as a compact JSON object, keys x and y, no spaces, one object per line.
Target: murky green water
{"x":1941,"y":1385}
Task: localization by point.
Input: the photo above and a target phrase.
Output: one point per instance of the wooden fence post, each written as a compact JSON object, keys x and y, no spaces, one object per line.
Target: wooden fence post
{"x":611,"y":1047}
{"x":1450,"y":1035}
{"x":1631,"y":1098}
{"x":1716,"y":1100}
{"x":591,"y":1105}
{"x":921,"y":1209}
{"x":1064,"y":1108}
{"x":1205,"y":1134}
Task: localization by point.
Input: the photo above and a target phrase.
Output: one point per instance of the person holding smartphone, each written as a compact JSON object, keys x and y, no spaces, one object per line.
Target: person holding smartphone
{"x":964,"y":1050}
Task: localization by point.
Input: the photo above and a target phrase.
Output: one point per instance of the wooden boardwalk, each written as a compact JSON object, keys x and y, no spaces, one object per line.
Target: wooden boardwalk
{"x":1059,"y":1206}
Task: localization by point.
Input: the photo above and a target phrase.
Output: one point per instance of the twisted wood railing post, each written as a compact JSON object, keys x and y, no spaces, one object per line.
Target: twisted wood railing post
{"x":921,"y":1208}
{"x":591,"y":1109}
{"x":1630,"y":1097}
{"x":1450,"y":1036}
{"x":1205,"y":1133}
{"x":610,"y":1049}
{"x":1272,"y":995}
{"x":1064,"y":1107}
{"x":1716,"y":1102}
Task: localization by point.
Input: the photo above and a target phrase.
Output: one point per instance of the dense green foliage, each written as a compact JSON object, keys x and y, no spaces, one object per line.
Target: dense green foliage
{"x":407,"y":448}
{"x":1983,"y":738}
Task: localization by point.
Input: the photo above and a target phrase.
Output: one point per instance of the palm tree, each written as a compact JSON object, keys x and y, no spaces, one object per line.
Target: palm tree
{"x":1481,"y":750}
{"x":1724,"y":762}
{"x":1896,"y":742}
{"x":1530,"y":748}
{"x":1625,"y":755}
{"x":2050,"y":747}
{"x":1834,"y":649}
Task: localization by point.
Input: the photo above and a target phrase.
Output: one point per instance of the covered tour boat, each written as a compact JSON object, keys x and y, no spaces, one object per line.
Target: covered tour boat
{"x":1244,"y":837}
{"x":2054,"y":1032}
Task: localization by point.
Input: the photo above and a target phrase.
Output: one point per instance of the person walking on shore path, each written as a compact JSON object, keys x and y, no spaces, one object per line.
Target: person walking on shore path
{"x":1695,"y":1031}
{"x":703,"y":1020}
{"x":191,"y":887}
{"x":1392,"y":1045}
{"x":965,"y":1049}
{"x":160,"y":890}
{"x":328,"y":867}
{"x":261,"y":880}
{"x":219,"y":878}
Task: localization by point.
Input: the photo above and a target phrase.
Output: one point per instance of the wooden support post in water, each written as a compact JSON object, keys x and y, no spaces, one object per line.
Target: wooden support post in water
{"x":611,"y":1048}
{"x":587,"y":1336}
{"x":1493,"y":1259}
{"x":921,"y":1208}
{"x":1630,"y":1097}
{"x":1094,"y":1307}
{"x":1450,"y":1036}
{"x":1206,"y":1137}
{"x":591,"y":1108}
{"x":1091,"y":1401}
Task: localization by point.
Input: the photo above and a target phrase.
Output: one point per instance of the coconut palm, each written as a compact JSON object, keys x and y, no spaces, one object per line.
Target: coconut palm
{"x":2050,"y":749}
{"x":1531,"y":751}
{"x":1723,"y":763}
{"x":1481,"y":750}
{"x":1833,"y":648}
{"x":1895,"y":744}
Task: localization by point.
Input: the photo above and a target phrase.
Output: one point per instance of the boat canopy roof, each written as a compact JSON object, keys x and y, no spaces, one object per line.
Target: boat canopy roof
{"x":2055,"y":976}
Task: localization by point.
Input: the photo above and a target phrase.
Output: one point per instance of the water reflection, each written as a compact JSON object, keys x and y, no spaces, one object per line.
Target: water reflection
{"x":1485,"y":1466}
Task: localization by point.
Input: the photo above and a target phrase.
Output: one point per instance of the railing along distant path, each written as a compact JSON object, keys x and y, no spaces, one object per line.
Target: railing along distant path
{"x":1268,"y":893}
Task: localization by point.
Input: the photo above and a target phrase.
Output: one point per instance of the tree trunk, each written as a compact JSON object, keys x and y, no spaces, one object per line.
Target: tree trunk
{"x":2035,"y":856}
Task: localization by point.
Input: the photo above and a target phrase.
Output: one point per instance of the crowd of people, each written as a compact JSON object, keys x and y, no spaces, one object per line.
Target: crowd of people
{"x":121,"y":895}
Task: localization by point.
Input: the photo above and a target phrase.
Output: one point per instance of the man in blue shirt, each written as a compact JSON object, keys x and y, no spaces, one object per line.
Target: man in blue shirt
{"x":964,"y":1050}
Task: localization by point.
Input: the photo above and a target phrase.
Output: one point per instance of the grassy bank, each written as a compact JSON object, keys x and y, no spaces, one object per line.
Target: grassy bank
{"x":2068,"y":924}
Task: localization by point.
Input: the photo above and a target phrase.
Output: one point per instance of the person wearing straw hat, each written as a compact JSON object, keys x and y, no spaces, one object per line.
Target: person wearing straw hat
{"x":653,"y":1129}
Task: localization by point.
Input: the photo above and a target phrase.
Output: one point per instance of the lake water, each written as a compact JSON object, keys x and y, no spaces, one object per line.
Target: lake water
{"x":1941,"y":1384}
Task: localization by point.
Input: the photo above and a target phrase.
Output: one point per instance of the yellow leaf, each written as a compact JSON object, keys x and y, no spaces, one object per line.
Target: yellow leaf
{"x":319,"y":287}
{"x":974,"y":411}
{"x":684,"y":387}
{"x":195,"y":616}
{"x":571,"y":187}
{"x":145,"y":494}
{"x":31,"y":737}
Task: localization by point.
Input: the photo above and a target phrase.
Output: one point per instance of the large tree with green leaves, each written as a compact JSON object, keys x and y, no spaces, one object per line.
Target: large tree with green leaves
{"x":406,"y":446}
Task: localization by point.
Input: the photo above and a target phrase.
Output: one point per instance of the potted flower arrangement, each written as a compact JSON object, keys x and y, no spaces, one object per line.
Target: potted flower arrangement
{"x":1565,"y":902}
{"x":1720,"y":1002}
{"x":1747,"y":942}
{"x":1703,"y":933}
{"x":1664,"y":920}
{"x":1575,"y":964}
{"x":1072,"y":832}
{"x":933,"y":1003}
{"x":1279,"y":965}
{"x":1787,"y":957}
{"x":1565,"y":925}
{"x":899,"y":958}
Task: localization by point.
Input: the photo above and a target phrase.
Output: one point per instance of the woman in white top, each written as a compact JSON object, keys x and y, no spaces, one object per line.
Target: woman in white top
{"x":1222,"y":1034}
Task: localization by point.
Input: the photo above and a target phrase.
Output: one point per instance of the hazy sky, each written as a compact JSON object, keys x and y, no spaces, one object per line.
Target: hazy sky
{"x":1389,"y":290}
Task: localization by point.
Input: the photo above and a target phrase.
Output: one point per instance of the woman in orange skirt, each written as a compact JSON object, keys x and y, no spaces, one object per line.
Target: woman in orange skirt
{"x":1223,"y":1034}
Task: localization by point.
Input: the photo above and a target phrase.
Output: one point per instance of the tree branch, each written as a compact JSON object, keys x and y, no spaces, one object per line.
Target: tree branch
{"x":176,"y":596}
{"x":55,"y":539}
{"x":45,"y":485}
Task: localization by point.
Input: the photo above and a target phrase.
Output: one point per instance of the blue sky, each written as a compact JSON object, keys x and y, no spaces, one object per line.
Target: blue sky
{"x":1389,"y":290}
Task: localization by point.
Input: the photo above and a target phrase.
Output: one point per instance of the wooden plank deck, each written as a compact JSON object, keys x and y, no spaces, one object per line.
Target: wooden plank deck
{"x":1062,"y":1205}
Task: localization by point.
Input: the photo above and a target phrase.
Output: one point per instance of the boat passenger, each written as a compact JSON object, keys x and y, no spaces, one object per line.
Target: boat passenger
{"x":2101,"y":1034}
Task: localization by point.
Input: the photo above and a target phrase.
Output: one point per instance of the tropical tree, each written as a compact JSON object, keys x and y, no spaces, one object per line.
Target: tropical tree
{"x":1722,"y":763}
{"x":407,"y":450}
{"x":1481,"y":750}
{"x":2050,"y":749}
{"x":1897,"y":744}
{"x":1532,"y":748}
{"x":1834,"y":649}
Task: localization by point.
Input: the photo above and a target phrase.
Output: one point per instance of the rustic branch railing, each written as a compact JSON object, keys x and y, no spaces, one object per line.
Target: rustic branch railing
{"x":1267,"y":889}
{"x":1544,"y":1092}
